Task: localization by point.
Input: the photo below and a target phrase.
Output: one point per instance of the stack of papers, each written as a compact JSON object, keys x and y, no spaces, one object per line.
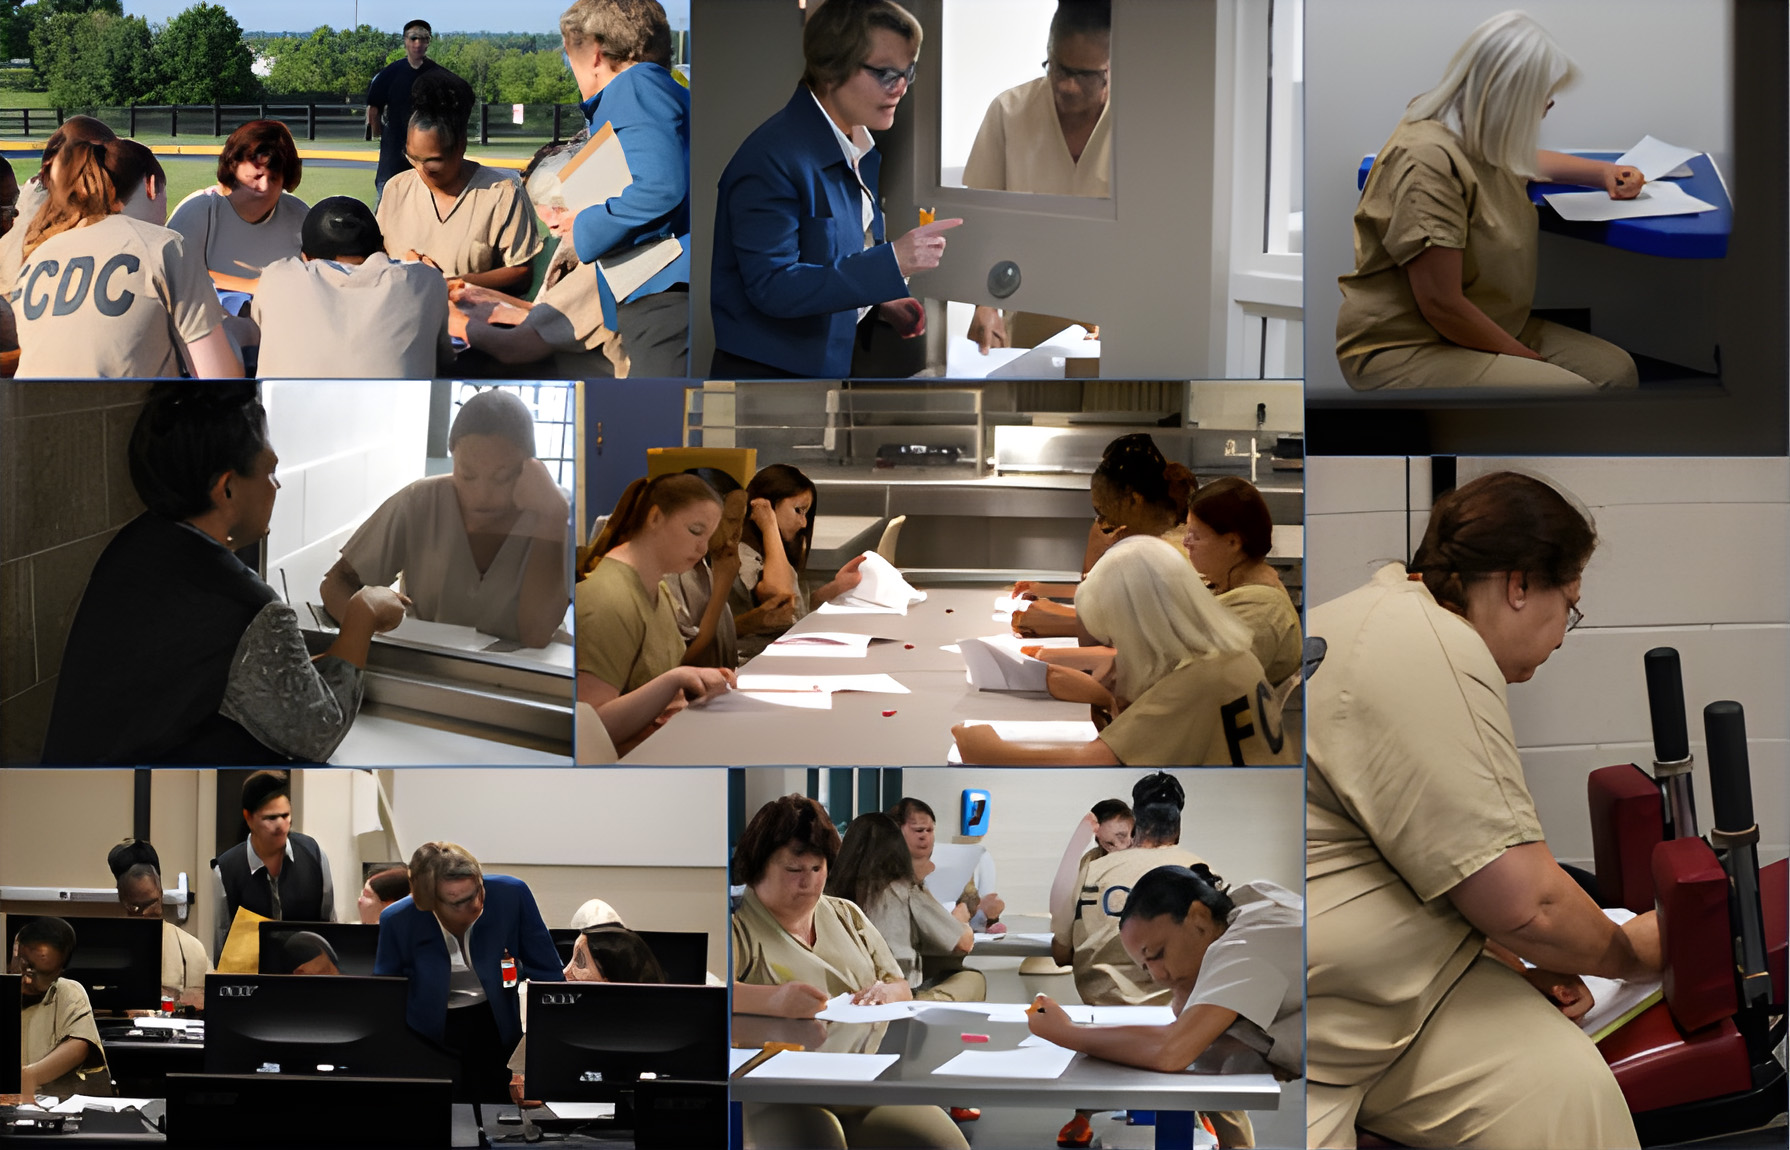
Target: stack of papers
{"x":823,"y":1066}
{"x":821,"y":645}
{"x":881,"y":591}
{"x":1654,"y":200}
{"x":994,"y":664}
{"x":841,"y":1009}
{"x":1037,"y":732}
{"x":1658,"y":160}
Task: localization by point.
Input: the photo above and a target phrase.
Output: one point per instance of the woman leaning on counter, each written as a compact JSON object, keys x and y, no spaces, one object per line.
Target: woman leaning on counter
{"x":1427,"y":875}
{"x":794,"y":947}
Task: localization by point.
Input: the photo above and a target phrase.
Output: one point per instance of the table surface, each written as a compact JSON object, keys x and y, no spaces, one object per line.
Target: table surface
{"x":855,"y":730}
{"x":1228,"y":1077}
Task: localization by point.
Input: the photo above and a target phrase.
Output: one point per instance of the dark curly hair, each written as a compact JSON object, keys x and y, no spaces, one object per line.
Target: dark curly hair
{"x":795,"y":821}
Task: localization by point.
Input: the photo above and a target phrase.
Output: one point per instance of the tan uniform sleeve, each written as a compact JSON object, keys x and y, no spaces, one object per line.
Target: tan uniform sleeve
{"x":380,"y":547}
{"x":1429,"y":202}
{"x":610,"y":632}
{"x":877,"y":947}
{"x":568,"y":315}
{"x":514,"y":236}
{"x":192,"y":300}
{"x":937,"y":927}
{"x":748,"y":966}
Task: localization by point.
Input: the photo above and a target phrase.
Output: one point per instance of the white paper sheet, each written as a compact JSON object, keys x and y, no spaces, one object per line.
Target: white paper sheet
{"x":1034,"y":1062}
{"x":1046,"y":361}
{"x":823,"y":1066}
{"x":1132,"y":1015}
{"x":964,"y":360}
{"x":1656,"y":159}
{"x":733,"y":701}
{"x":737,"y":1058}
{"x":582,"y":1111}
{"x":1034,"y":937}
{"x":1654,"y":200}
{"x":994,"y":666}
{"x":1049,"y":732}
{"x":840,"y":1009}
{"x":75,"y":1103}
{"x":881,"y":589}
{"x":953,"y":865}
{"x":184,"y":1025}
{"x":872,"y":684}
{"x":821,"y":645}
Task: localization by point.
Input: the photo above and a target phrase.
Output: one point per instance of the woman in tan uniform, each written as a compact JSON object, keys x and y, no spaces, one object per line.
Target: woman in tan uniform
{"x":470,"y":221}
{"x":1229,"y":534}
{"x":1445,"y":234}
{"x":876,"y":872}
{"x":1188,"y":691}
{"x":794,"y":948}
{"x":1426,"y":869}
{"x":249,"y":218}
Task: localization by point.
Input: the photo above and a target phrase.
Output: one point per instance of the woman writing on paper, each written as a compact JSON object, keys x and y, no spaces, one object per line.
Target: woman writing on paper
{"x":1446,"y":238}
{"x":795,"y":947}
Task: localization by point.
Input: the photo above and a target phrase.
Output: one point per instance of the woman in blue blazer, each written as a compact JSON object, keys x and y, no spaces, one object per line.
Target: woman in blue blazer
{"x":466,"y":940}
{"x":799,"y":255}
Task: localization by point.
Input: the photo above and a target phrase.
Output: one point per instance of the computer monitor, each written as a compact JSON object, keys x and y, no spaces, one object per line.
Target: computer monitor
{"x":118,"y":960}
{"x":303,"y":1024}
{"x":230,"y":1110}
{"x":355,"y":944}
{"x":10,"y":1008}
{"x":684,"y":954}
{"x":591,"y":1041}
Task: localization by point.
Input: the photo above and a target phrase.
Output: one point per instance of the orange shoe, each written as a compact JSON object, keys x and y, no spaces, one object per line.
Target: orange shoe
{"x":965,"y":1113}
{"x":1076,"y":1134}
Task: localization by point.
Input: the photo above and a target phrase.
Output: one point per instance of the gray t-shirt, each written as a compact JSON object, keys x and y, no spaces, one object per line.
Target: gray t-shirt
{"x":381,"y":319}
{"x":232,"y":245}
{"x":1257,"y":968}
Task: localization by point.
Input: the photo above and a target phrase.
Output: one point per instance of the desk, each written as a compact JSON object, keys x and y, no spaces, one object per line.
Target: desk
{"x":1703,"y":236}
{"x":1227,"y":1077}
{"x":140,"y":1066}
{"x":855,"y":731}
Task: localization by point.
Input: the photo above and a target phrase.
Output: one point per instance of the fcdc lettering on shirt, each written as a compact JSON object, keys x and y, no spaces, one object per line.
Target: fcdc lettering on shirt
{"x":63,"y":287}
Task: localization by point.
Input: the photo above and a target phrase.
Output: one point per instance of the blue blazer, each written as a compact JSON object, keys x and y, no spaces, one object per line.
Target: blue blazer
{"x":410,"y":945}
{"x":790,"y":267}
{"x":650,"y":112}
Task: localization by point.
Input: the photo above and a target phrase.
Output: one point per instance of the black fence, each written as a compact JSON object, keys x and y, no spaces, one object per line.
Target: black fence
{"x":489,"y":123}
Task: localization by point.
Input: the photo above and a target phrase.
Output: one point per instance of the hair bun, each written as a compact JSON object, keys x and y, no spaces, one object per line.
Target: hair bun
{"x":1205,"y":875}
{"x":1160,"y":787}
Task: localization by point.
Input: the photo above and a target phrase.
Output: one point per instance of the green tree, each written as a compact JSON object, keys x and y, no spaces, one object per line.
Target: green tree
{"x":202,"y":58}
{"x":328,"y":62}
{"x":536,"y":78}
{"x":94,"y":59}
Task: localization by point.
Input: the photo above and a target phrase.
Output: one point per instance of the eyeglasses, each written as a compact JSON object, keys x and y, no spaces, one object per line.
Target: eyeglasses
{"x":418,"y":39}
{"x":1088,"y":79}
{"x":1574,"y":617}
{"x":892,"y":78}
{"x":139,"y":909}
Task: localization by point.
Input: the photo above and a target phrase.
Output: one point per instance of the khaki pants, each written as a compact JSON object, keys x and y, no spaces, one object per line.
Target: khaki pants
{"x":786,"y":1127}
{"x":963,"y":986}
{"x":1496,"y":1065}
{"x":1571,"y":360}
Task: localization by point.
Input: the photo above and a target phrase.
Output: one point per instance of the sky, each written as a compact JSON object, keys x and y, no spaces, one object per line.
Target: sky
{"x":390,"y":15}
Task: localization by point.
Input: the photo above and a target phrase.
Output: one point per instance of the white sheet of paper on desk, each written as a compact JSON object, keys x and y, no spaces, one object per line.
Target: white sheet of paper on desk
{"x":75,"y":1103}
{"x":823,"y":1066}
{"x":993,"y":666}
{"x":1047,"y":360}
{"x":582,"y":1111}
{"x":880,"y":590}
{"x":1026,"y":1062}
{"x":821,"y":645}
{"x":181,"y":1024}
{"x":964,"y":360}
{"x":1132,"y":1015}
{"x":1654,"y":200}
{"x":1034,"y":937}
{"x":1657,"y":160}
{"x":735,"y":701}
{"x":872,"y":684}
{"x":1041,"y":732}
{"x":841,"y":1009}
{"x":737,"y":1058}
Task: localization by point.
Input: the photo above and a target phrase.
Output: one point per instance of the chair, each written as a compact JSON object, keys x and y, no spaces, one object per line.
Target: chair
{"x":891,"y":534}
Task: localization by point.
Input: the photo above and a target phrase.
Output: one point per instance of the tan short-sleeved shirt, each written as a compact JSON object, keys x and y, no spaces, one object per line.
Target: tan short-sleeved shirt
{"x":418,"y":534}
{"x":848,"y":954}
{"x":184,"y":961}
{"x":1257,"y":968}
{"x":1020,"y":148}
{"x":382,"y":319}
{"x":64,"y":1013}
{"x":1212,"y":711}
{"x":1273,"y":623}
{"x":490,"y":226}
{"x":1426,"y":191}
{"x":116,"y":298}
{"x":568,"y":315}
{"x":624,"y":638}
{"x":916,"y":927}
{"x":232,"y":245}
{"x":690,"y":596}
{"x":1414,"y":783}
{"x":1104,"y":973}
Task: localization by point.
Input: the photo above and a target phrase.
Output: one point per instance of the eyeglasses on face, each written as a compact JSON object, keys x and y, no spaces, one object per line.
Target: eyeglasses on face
{"x":892,"y":78}
{"x":1090,"y":79}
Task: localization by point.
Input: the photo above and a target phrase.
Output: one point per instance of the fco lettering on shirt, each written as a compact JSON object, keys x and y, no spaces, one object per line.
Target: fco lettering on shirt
{"x":62,"y":288}
{"x":1237,"y":727}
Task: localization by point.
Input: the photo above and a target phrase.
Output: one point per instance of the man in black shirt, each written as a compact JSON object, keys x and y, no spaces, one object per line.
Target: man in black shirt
{"x":388,"y":101}
{"x":277,"y":872}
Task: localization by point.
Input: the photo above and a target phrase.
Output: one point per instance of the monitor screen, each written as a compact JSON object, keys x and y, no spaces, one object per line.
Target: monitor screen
{"x":9,"y":1031}
{"x":300,"y":1024}
{"x":355,"y":944}
{"x":118,"y":960}
{"x":592,"y":1041}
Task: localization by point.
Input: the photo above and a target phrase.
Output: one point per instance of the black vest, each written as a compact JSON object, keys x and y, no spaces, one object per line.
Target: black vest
{"x":301,"y":883}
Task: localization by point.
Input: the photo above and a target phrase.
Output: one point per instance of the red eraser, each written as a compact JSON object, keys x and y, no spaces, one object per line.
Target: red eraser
{"x":975,"y":1038}
{"x":907,"y":646}
{"x":888,"y":714}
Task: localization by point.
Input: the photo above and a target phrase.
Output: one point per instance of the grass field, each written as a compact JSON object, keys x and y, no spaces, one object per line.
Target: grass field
{"x":15,"y":99}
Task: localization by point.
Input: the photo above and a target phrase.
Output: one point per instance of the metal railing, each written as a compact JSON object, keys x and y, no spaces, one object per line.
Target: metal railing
{"x":489,"y":123}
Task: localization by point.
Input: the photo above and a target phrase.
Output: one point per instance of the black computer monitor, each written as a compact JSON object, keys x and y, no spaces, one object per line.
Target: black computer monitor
{"x":591,"y":1041}
{"x":315,"y":1024}
{"x":683,"y":954}
{"x":118,"y":960}
{"x":355,"y":943}
{"x":231,"y":1110}
{"x":9,"y":1033}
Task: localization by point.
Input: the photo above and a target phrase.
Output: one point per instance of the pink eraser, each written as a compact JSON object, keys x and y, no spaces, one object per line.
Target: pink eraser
{"x":975,"y":1038}
{"x":888,"y":714}
{"x":907,"y":646}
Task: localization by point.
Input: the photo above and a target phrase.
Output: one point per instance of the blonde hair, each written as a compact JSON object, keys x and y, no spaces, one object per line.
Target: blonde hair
{"x":435,"y":863}
{"x":1495,"y":90}
{"x":1145,"y":600}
